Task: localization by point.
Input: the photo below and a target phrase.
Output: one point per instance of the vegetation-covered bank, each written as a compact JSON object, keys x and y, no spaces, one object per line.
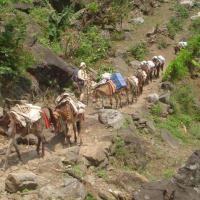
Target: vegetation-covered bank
{"x":187,"y":61}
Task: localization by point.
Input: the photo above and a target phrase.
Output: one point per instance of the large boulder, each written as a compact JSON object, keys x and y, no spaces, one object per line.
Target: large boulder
{"x":111,"y":118}
{"x":70,"y":189}
{"x":161,"y":190}
{"x":167,"y":85}
{"x":189,"y":174}
{"x":153,"y":98}
{"x":121,"y":65}
{"x":171,"y":141}
{"x":24,"y":7}
{"x":49,"y":66}
{"x":70,"y":156}
{"x":18,"y":181}
{"x":96,"y":154}
{"x":165,"y":98}
{"x":136,"y":151}
{"x":127,"y":180}
{"x":183,"y":186}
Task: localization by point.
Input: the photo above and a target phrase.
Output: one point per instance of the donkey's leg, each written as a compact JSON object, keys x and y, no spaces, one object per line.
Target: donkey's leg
{"x":8,"y":153}
{"x":17,"y":149}
{"x":68,"y":133}
{"x":120,"y":100}
{"x":75,"y":132}
{"x":111,"y":101}
{"x":38,"y":145}
{"x":43,"y":143}
{"x":116,"y":99}
{"x":78,"y":125}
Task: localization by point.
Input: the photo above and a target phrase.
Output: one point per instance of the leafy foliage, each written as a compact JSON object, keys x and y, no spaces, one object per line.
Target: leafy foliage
{"x":14,"y":57}
{"x":174,"y":25}
{"x":181,"y":11}
{"x":186,"y":113}
{"x":92,"y":46}
{"x":139,"y":51}
{"x":195,"y":26}
{"x":104,"y":68}
{"x":178,"y":68}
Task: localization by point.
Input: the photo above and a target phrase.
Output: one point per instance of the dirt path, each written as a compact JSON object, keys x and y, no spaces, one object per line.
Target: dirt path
{"x":92,"y":128}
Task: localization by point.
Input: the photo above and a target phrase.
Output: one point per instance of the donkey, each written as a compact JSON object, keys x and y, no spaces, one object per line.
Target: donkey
{"x":105,"y":90}
{"x":66,"y":113}
{"x":14,"y":128}
{"x":132,"y":87}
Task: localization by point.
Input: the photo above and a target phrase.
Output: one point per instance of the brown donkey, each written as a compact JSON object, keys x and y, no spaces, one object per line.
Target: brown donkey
{"x":106,"y":90}
{"x":66,"y":113}
{"x":14,"y":128}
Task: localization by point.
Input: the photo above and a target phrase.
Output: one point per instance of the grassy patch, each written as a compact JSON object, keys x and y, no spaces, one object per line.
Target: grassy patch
{"x":139,"y":51}
{"x":186,"y":113}
{"x":117,"y":35}
{"x":162,"y":44}
{"x":92,"y":46}
{"x":156,"y":110}
{"x":178,"y":68}
{"x":101,"y":173}
{"x":195,"y":26}
{"x":76,"y":169}
{"x":168,"y":173}
{"x":181,"y":11}
{"x":90,"y":197}
{"x":174,"y":25}
{"x":120,"y":151}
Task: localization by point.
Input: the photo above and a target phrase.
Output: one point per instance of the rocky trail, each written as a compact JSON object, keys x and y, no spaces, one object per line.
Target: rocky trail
{"x":73,"y":172}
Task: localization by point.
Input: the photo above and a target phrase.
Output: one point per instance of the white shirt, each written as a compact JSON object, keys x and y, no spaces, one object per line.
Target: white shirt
{"x":82,"y":74}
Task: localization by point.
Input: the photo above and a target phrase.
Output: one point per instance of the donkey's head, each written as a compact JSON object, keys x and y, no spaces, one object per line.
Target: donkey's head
{"x":55,"y":119}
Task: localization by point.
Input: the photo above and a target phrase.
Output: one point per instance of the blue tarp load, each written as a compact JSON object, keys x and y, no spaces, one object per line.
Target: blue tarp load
{"x":118,"y":80}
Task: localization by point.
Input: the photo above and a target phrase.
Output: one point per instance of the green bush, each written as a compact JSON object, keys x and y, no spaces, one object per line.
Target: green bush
{"x":15,"y":59}
{"x":93,"y":7}
{"x":156,"y":110}
{"x":139,"y":51}
{"x":195,"y":26}
{"x":90,"y":197}
{"x":195,"y":130}
{"x":174,"y":25}
{"x":162,"y":44}
{"x":181,"y":11}
{"x":168,"y":173}
{"x":178,"y":68}
{"x":105,"y":68}
{"x":92,"y":46}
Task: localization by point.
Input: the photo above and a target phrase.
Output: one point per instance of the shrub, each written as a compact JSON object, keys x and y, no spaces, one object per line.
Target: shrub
{"x":168,"y":173}
{"x":14,"y":58}
{"x":90,"y":197}
{"x":156,"y":110}
{"x":195,"y":130}
{"x":139,"y":51}
{"x":178,"y":68}
{"x":174,"y":25}
{"x":104,"y":68}
{"x":181,"y":11}
{"x":162,"y":44}
{"x":92,"y":46}
{"x":101,"y":173}
{"x":93,"y":7}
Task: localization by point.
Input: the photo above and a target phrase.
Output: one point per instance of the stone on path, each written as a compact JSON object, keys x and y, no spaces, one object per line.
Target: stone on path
{"x":19,"y":181}
{"x":111,"y":118}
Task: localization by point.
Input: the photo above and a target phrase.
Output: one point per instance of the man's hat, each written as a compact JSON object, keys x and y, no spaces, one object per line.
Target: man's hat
{"x":82,"y":64}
